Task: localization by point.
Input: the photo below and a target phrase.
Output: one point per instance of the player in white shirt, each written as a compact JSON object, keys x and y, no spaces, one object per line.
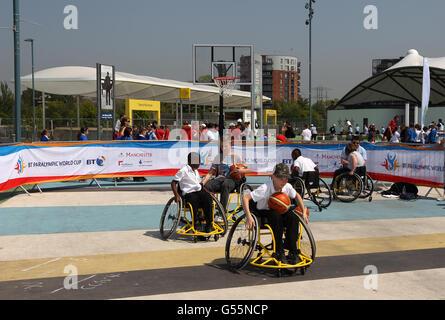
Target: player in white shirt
{"x":306,"y":134}
{"x":192,"y":190}
{"x":277,"y":221}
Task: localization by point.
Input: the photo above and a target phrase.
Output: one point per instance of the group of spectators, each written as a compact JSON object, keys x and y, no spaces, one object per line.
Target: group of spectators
{"x":413,"y":133}
{"x":395,"y":132}
{"x":124,"y":131}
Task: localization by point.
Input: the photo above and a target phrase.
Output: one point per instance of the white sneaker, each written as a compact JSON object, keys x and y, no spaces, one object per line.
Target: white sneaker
{"x":441,"y":199}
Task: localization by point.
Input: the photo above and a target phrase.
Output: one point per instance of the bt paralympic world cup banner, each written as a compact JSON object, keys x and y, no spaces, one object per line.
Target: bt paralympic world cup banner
{"x":49,"y":162}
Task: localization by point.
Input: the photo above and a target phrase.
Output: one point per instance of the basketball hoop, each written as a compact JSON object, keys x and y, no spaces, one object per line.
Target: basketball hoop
{"x":226,"y":85}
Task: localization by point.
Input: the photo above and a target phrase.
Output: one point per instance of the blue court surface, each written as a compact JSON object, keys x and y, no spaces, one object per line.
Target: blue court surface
{"x":43,"y":219}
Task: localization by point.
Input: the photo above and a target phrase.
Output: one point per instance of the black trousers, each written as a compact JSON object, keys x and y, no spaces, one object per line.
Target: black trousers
{"x":224,"y":185}
{"x":201,"y":199}
{"x":278,"y":222}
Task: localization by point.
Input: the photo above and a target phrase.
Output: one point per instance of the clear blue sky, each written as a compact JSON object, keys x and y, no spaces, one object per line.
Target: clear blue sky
{"x":151,"y":37}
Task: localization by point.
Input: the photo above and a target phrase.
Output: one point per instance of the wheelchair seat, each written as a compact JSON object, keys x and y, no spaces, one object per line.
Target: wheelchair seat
{"x":361,"y":172}
{"x":311,"y":179}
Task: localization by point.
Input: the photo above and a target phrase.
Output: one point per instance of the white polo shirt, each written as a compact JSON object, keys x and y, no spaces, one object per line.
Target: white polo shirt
{"x":262,"y":194}
{"x":304,"y":165}
{"x":189,"y":180}
{"x":307,"y":135}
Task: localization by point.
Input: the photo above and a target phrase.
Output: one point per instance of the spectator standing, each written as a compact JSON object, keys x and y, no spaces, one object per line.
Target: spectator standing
{"x":411,"y":136}
{"x":151,"y":134}
{"x":306,"y":134}
{"x":160,"y":133}
{"x":142,"y":135}
{"x":82,"y":135}
{"x":395,"y":137}
{"x":432,"y":136}
{"x":418,"y":130}
{"x":44,"y":135}
{"x":128,"y":134}
{"x":117,"y":126}
{"x":332,"y":131}
{"x":314,"y":132}
{"x":187,"y":130}
{"x":391,"y":127}
{"x":167,"y":132}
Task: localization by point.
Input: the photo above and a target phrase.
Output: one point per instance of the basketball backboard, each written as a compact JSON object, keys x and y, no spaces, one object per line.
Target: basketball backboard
{"x":220,"y":60}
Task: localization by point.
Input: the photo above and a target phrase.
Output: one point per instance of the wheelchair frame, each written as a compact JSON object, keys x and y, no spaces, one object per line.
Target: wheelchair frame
{"x":252,"y":241}
{"x":340,"y":184}
{"x":189,"y":228}
{"x":301,"y":183}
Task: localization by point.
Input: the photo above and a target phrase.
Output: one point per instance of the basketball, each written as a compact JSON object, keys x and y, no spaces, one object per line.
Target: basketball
{"x":236,"y":176}
{"x":279,"y":202}
{"x":300,"y":213}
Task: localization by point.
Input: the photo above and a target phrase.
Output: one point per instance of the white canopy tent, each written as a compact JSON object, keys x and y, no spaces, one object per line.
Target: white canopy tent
{"x":399,"y":84}
{"x":81,"y":81}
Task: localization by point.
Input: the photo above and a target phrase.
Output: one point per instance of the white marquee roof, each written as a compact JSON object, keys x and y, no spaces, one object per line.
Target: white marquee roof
{"x":78,"y":80}
{"x":399,"y":84}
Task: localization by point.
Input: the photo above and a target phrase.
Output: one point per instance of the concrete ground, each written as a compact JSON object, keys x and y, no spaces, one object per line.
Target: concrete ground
{"x":104,"y":243}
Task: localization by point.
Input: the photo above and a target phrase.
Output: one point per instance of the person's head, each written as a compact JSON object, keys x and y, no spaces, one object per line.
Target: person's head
{"x":143,"y":131}
{"x":350,"y":147}
{"x":425,"y":128}
{"x":125,"y":122}
{"x":193,"y":160}
{"x":411,"y":125}
{"x":355,"y":141}
{"x":280,"y":176}
{"x":296,"y":153}
{"x":84,"y":130}
{"x":45,"y":132}
{"x":306,"y":126}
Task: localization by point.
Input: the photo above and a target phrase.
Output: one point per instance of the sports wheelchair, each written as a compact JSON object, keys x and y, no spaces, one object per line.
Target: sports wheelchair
{"x":241,"y":244}
{"x":314,"y":188}
{"x":180,"y":214}
{"x":348,"y":188}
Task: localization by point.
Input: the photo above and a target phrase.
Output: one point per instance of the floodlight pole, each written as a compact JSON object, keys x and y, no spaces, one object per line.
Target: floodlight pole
{"x":34,"y":133}
{"x":17,"y":110}
{"x":309,"y":22}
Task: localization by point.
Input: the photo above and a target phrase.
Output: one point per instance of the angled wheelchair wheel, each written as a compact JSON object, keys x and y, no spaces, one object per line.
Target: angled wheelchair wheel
{"x":368,"y":187}
{"x":241,"y":243}
{"x":299,"y":187}
{"x":219,"y":216}
{"x":347,"y":188}
{"x":170,"y":218}
{"x":305,"y":242}
{"x":322,"y":195}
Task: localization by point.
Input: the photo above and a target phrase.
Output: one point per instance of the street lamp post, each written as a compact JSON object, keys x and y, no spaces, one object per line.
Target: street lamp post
{"x":33,"y":90}
{"x":309,"y":23}
{"x":16,"y":28}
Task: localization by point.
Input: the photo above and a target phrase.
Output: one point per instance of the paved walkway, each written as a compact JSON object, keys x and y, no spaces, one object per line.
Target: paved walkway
{"x":110,"y":239}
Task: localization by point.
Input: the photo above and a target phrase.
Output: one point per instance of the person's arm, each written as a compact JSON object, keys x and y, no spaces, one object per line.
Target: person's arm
{"x":300,"y":203}
{"x":207,"y":176}
{"x":250,"y":222}
{"x":175,"y":191}
{"x":354,"y":164}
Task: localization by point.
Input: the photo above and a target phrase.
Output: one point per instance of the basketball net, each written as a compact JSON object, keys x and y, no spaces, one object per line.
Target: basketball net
{"x":226,"y":85}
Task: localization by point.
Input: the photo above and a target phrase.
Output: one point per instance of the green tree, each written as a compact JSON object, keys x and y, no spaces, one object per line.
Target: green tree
{"x":7,"y":101}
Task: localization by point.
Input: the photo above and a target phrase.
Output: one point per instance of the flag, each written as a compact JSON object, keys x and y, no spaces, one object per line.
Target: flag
{"x":426,"y":88}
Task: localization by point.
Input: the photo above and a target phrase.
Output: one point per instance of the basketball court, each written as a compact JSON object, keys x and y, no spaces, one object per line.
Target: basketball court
{"x":110,"y":237}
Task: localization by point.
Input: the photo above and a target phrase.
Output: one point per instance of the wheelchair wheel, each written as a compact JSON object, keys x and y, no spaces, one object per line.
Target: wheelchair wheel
{"x":299,"y":187}
{"x":368,"y":187}
{"x":219,"y":215}
{"x":170,"y":218}
{"x":347,"y":188}
{"x":305,"y":241}
{"x":241,"y":243}
{"x":322,"y":196}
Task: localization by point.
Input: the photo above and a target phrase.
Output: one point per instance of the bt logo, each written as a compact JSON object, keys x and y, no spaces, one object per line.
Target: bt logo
{"x":100,"y":161}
